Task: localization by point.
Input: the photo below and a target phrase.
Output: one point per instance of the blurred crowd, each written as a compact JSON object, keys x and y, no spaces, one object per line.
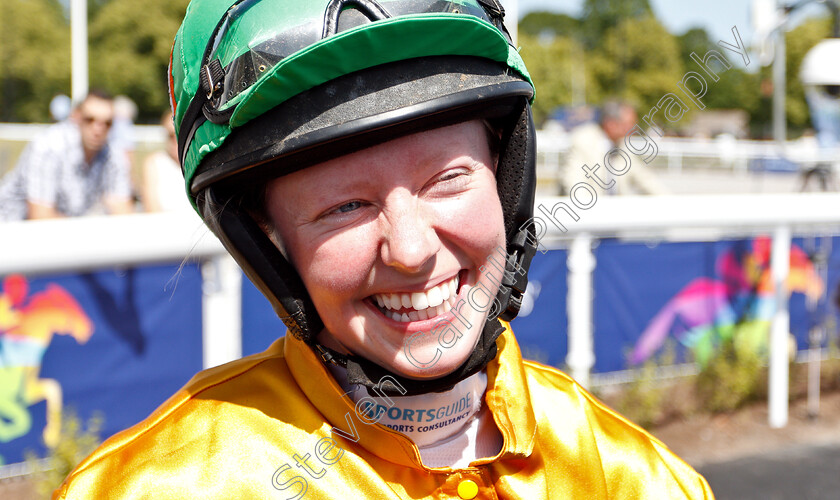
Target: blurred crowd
{"x":83,"y":164}
{"x":86,"y":163}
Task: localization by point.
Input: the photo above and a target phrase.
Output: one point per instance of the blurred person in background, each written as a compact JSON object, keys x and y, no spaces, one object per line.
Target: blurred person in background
{"x":590,"y":142}
{"x":121,"y":136}
{"x":162,"y":190}
{"x":70,"y":170}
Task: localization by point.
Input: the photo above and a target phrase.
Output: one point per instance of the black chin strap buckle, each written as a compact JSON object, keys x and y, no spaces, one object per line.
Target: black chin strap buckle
{"x":520,"y":253}
{"x":328,"y":356}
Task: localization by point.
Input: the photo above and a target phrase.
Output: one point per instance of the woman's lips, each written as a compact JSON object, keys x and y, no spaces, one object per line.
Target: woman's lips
{"x":406,"y":309}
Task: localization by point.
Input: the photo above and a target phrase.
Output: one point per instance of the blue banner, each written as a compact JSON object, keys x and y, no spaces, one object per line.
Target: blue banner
{"x":260,"y":325}
{"x":119,"y":342}
{"x":691,"y":295}
{"x":116,"y":342}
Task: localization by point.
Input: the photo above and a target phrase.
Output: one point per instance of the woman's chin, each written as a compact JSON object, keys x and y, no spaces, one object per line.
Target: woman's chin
{"x":447,"y":362}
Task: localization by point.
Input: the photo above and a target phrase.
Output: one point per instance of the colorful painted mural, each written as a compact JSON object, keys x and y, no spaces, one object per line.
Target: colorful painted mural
{"x":112,"y":342}
{"x":27,"y":326}
{"x":737,"y":303}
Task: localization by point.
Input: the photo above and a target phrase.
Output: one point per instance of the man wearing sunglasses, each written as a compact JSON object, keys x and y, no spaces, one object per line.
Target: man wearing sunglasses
{"x":70,"y":170}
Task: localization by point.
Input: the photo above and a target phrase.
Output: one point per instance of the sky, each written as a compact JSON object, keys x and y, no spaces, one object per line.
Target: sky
{"x":716,"y":16}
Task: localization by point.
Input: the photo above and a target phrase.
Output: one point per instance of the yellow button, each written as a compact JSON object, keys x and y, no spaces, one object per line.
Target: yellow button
{"x":467,"y":489}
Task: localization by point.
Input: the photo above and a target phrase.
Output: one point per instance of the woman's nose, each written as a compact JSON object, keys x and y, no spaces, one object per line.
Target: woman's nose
{"x":410,"y":239}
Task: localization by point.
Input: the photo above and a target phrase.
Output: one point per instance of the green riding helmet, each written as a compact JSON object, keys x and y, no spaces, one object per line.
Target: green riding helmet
{"x":262,"y":88}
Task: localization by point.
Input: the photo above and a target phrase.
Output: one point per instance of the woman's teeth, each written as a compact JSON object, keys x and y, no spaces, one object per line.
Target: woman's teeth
{"x":418,"y":306}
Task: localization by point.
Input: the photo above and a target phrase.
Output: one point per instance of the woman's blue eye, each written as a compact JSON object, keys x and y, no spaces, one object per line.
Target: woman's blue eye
{"x":348,"y":207}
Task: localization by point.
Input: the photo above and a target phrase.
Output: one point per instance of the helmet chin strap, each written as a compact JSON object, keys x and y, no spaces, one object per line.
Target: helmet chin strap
{"x":360,"y":371}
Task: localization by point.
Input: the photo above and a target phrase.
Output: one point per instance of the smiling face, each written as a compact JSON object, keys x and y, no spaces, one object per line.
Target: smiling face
{"x":387,"y":240}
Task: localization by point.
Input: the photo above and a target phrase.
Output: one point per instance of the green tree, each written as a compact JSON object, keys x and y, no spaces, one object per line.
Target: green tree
{"x":638,"y":61}
{"x":736,"y":89}
{"x":94,"y":6}
{"x":557,"y":67}
{"x":633,"y":57}
{"x":599,"y":16}
{"x":130,"y":47}
{"x":34,"y":58}
{"x":537,"y":24}
{"x":695,"y":40}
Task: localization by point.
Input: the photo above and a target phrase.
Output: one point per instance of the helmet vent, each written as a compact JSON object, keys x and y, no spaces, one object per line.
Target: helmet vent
{"x":370,"y":11}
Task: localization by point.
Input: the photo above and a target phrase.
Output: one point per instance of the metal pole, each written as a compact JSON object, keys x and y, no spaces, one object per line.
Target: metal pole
{"x":512,"y":18}
{"x":779,"y":84}
{"x":777,"y":399}
{"x":581,"y":263}
{"x":814,"y":361}
{"x":820,"y":255}
{"x":79,"y":50}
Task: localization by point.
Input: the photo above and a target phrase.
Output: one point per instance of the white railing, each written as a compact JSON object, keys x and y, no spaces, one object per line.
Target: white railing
{"x":37,"y":247}
{"x":84,"y":243}
{"x":87,"y":243}
{"x":675,"y":152}
{"x":684,"y":218}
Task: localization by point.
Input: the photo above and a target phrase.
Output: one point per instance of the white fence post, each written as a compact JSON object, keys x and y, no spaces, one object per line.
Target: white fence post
{"x":777,"y":399}
{"x":581,"y":263}
{"x":221,"y":310}
{"x":79,"y":50}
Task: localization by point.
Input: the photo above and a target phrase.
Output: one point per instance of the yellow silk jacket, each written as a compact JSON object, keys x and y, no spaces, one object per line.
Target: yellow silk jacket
{"x":277,"y":425}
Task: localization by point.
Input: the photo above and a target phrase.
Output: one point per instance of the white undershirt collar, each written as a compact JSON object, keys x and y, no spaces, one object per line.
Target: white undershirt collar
{"x":450,"y":428}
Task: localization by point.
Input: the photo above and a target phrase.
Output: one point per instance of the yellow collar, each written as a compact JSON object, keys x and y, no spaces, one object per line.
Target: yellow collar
{"x":507,"y":398}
